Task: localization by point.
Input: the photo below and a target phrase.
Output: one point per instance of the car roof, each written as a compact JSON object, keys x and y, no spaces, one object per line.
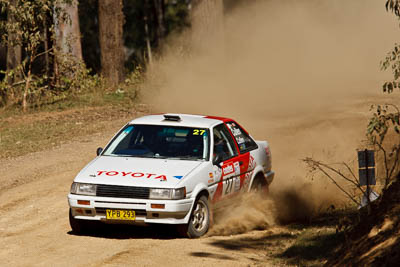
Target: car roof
{"x":185,"y":120}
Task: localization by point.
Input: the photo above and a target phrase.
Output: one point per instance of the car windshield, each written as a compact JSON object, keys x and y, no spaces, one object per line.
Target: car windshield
{"x":157,"y":141}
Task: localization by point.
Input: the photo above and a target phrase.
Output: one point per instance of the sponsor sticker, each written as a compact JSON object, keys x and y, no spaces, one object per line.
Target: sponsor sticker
{"x":237,"y":167}
{"x":240,"y":140}
{"x":134,"y":175}
{"x":228,"y":169}
{"x":236,"y":132}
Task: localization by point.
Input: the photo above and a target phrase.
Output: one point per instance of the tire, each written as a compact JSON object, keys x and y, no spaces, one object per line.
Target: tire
{"x":78,"y":226}
{"x":199,"y":221}
{"x":259,"y":185}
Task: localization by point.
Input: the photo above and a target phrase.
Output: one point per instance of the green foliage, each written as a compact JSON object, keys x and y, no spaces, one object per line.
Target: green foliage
{"x":383,"y":132}
{"x":75,"y":77}
{"x":392,"y":61}
{"x":30,"y":84}
{"x":394,"y":6}
{"x":131,"y":85}
{"x":385,"y":117}
{"x":29,"y":18}
{"x":25,"y":30}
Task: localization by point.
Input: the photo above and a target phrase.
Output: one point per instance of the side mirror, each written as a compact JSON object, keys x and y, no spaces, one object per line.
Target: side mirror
{"x":99,"y":150}
{"x":217,"y":160}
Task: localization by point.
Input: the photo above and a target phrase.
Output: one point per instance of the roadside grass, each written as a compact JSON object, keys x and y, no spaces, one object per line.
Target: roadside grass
{"x":317,"y":240}
{"x":61,"y":122}
{"x":295,"y":244}
{"x":312,"y":247}
{"x":95,"y":98}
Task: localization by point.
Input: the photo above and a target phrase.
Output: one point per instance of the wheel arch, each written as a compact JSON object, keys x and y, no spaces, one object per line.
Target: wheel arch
{"x":258,"y":174}
{"x":200,"y":190}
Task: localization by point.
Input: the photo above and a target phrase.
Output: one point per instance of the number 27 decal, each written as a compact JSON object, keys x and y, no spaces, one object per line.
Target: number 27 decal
{"x":198,"y":132}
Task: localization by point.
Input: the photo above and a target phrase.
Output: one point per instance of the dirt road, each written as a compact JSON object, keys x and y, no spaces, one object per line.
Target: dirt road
{"x":34,"y":227}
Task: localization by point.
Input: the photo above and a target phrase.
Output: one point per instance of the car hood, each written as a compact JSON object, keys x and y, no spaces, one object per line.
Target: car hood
{"x":130,"y":171}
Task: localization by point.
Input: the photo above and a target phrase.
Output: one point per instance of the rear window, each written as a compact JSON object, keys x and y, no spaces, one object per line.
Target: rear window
{"x":244,"y":141}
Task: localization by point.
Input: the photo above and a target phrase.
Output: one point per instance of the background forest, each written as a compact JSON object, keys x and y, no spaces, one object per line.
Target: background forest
{"x":51,"y":50}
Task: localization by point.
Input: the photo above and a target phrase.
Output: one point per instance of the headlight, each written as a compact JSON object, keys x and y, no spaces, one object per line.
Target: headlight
{"x":167,"y":193}
{"x":83,"y":189}
{"x":179,"y":193}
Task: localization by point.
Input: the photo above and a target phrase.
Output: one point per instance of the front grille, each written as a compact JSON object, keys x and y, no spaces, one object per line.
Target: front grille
{"x":122,"y":191}
{"x":102,"y":211}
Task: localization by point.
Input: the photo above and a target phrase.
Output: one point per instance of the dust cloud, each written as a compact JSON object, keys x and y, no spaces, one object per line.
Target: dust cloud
{"x":300,"y":74}
{"x":254,"y":211}
{"x":243,"y":213}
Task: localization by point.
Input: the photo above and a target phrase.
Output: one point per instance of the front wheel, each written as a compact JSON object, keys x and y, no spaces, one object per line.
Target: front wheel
{"x":199,"y":220}
{"x":78,"y":226}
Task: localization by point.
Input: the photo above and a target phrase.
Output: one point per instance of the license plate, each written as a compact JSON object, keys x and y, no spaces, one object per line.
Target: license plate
{"x":121,"y":215}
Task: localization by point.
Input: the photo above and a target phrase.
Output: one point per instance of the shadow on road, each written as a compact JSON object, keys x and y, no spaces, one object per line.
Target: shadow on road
{"x":253,"y":243}
{"x":120,"y":231}
{"x":211,"y":255}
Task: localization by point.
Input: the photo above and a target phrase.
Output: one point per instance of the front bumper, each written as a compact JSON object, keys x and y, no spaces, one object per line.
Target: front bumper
{"x":175,"y":211}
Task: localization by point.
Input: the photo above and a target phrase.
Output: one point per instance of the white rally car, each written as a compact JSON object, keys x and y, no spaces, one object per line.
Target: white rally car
{"x":167,"y":169}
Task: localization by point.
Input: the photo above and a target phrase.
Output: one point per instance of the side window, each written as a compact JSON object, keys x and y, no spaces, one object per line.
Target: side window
{"x":224,"y":145}
{"x":243,"y":140}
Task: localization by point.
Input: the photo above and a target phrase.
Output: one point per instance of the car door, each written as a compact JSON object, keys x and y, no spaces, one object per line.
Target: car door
{"x":245,"y":144}
{"x":228,"y":172}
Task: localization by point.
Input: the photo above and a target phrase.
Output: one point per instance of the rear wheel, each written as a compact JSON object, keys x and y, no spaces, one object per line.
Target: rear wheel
{"x":259,"y":185}
{"x":199,"y":220}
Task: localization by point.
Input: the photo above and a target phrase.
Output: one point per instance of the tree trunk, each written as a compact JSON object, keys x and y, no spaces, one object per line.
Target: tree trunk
{"x":67,"y":37}
{"x":27,"y":83}
{"x":147,"y":33}
{"x":147,"y":38}
{"x":13,"y":49}
{"x":68,"y":34}
{"x":111,"y":20}
{"x":207,"y":24}
{"x":46,"y":48}
{"x":159,"y":12}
